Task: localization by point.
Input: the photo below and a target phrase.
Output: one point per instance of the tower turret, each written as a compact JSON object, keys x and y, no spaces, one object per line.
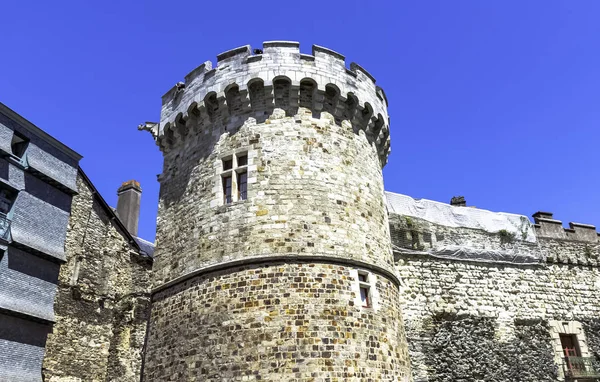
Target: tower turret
{"x":273,"y":255}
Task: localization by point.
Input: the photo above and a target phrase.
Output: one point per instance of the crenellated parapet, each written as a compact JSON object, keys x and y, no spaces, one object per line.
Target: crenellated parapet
{"x":547,"y":226}
{"x":244,"y":85}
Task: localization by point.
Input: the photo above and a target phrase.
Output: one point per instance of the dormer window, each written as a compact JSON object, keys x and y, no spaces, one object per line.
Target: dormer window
{"x":19,"y":145}
{"x":6,"y":200}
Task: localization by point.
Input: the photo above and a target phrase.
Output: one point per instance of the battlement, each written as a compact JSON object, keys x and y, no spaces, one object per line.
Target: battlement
{"x":546,"y":226}
{"x":251,"y":85}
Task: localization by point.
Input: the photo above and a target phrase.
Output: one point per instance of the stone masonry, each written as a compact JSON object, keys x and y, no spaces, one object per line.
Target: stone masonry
{"x":102,"y":302}
{"x":477,"y":319}
{"x":263,"y":283}
{"x":279,"y":255}
{"x":74,"y":282}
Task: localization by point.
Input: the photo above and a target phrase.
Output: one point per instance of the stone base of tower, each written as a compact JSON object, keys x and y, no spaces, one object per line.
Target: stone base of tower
{"x":278,"y":322}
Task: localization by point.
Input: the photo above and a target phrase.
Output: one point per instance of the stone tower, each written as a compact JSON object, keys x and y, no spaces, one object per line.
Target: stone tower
{"x":273,"y":258}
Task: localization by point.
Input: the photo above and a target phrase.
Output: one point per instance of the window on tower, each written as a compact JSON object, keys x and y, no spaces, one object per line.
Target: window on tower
{"x":364,"y":287}
{"x":234,"y":178}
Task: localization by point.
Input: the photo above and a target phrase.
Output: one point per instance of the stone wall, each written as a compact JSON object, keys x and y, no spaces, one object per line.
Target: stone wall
{"x":316,"y":137}
{"x":276,"y":321}
{"x":314,"y":189}
{"x":484,"y":320}
{"x":102,"y":302}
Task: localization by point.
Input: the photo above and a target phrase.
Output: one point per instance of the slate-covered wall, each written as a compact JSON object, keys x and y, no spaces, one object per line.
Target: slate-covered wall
{"x":40,"y":184}
{"x":102,"y":303}
{"x":489,"y":321}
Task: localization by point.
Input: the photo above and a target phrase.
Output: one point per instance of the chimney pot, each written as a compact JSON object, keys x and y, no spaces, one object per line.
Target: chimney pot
{"x":458,"y":201}
{"x":128,"y":205}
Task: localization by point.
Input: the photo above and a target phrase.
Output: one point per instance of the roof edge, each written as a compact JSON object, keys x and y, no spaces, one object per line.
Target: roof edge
{"x":112,"y":215}
{"x":39,"y":132}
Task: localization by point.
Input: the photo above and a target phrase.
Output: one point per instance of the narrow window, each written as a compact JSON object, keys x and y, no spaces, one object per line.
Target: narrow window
{"x":364,"y":297}
{"x":75,"y":275}
{"x":574,"y":365}
{"x":242,"y":160}
{"x":19,"y":144}
{"x":569,"y":345}
{"x":234,"y":178}
{"x":365,"y":289}
{"x":242,"y":186}
{"x":227,"y":189}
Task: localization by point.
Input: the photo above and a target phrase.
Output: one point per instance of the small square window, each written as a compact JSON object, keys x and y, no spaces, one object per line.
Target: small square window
{"x":227,"y":164}
{"x":362,"y":277}
{"x":242,"y":160}
{"x":19,"y":144}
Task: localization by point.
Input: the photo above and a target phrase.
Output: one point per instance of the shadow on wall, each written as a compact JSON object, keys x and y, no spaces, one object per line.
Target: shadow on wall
{"x":22,"y":331}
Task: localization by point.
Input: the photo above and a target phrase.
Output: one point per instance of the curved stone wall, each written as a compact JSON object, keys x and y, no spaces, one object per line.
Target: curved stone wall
{"x":277,"y":321}
{"x":311,"y":138}
{"x":314,"y":189}
{"x":245,"y":85}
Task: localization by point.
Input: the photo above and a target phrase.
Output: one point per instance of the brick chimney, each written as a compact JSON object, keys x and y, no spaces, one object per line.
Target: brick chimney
{"x":128,"y":205}
{"x":458,"y":201}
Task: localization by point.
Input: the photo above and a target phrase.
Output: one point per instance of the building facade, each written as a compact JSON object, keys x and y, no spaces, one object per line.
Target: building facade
{"x":37,"y":182}
{"x":274,"y":262}
{"x":491,"y":297}
{"x":274,"y":258}
{"x":102,"y":301}
{"x":280,"y":256}
{"x":74,"y":281}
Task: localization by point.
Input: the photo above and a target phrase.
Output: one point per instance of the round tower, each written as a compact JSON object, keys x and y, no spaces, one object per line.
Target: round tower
{"x":273,"y":258}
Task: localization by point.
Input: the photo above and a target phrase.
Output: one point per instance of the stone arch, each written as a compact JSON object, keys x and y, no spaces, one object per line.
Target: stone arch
{"x":281,"y":91}
{"x":308,"y":87}
{"x":256,"y":90}
{"x":169,"y":137}
{"x":331,"y":99}
{"x":365,"y":116}
{"x":211,"y":103}
{"x":193,"y":110}
{"x":233,"y":98}
{"x":350,"y":106}
{"x":378,"y":125}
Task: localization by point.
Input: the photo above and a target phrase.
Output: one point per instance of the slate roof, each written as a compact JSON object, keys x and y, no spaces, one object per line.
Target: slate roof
{"x":146,"y":246}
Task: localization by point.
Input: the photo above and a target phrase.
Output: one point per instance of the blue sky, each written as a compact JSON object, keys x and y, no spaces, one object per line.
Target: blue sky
{"x":498,"y":101}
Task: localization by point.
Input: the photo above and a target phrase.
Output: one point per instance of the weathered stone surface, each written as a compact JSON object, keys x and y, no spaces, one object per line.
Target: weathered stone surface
{"x":271,"y":322}
{"x":102,"y":303}
{"x":316,"y":138}
{"x":483,"y":320}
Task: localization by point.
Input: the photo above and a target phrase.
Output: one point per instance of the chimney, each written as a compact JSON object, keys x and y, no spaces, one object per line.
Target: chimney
{"x":128,"y":205}
{"x":458,"y":201}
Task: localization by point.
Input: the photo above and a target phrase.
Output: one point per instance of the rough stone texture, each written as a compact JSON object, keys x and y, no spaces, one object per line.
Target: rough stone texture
{"x":316,"y":138}
{"x":271,"y":322}
{"x":315,"y":189}
{"x":102,"y":304}
{"x":485,"y":321}
{"x":467,"y":349}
